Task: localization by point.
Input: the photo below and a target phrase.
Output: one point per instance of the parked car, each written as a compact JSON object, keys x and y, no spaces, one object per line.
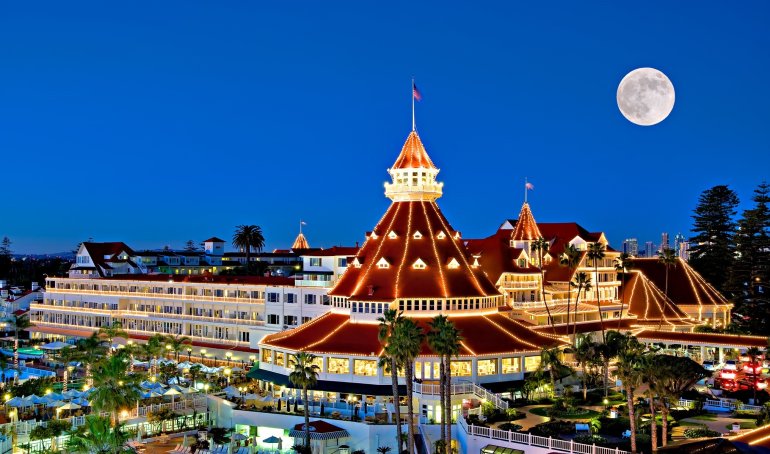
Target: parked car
{"x":709,"y":365}
{"x":730,"y":364}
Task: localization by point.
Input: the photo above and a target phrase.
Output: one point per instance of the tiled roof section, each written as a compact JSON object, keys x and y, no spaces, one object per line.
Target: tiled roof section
{"x":388,"y":255}
{"x":727,"y":340}
{"x":648,"y":303}
{"x":497,"y":257}
{"x":413,"y":154}
{"x":685,"y":285}
{"x":214,"y":239}
{"x":561,"y":233}
{"x":342,"y":251}
{"x":526,"y":227}
{"x":481,"y":335}
{"x":555,"y":272}
{"x":300,"y":242}
{"x":101,"y":253}
{"x":206,"y":279}
{"x":586,"y":327}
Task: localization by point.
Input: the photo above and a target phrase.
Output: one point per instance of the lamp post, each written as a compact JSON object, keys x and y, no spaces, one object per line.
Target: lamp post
{"x":203,"y":355}
{"x":229,"y":356}
{"x":189,"y":354}
{"x":227,"y":372}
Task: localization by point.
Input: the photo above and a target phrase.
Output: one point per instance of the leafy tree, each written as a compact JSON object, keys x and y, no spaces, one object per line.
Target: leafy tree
{"x":389,"y":361}
{"x":585,"y":354}
{"x":667,"y":258}
{"x":540,"y":246}
{"x":550,"y":359}
{"x":160,"y":416}
{"x":713,"y":247}
{"x":110,"y":332}
{"x":596,"y":254}
{"x":5,"y":256}
{"x":570,"y":259}
{"x":246,"y":238}
{"x":675,"y":375}
{"x":97,"y":436}
{"x":304,"y":375}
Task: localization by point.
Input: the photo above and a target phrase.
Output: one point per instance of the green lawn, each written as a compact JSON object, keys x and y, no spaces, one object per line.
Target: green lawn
{"x":691,"y":424}
{"x":744,"y":425}
{"x":543,"y":411}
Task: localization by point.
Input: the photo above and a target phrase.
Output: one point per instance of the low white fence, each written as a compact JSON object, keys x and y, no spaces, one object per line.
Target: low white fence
{"x":721,"y":405}
{"x":462,"y":387}
{"x":526,"y":439}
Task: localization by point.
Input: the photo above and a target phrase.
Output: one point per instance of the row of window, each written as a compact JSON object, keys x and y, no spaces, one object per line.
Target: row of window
{"x":455,"y":304}
{"x":291,"y":320}
{"x":291,"y":298}
{"x":342,"y":262}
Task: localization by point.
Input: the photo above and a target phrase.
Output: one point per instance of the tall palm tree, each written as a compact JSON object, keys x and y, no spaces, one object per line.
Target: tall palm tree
{"x":388,"y":322}
{"x":540,"y":246}
{"x":622,"y":264}
{"x":629,"y":372}
{"x":436,"y":341}
{"x":20,"y":323}
{"x":668,"y":258}
{"x":89,"y":351}
{"x":675,"y":375}
{"x":177,"y":343}
{"x":596,"y":254}
{"x":753,"y":353}
{"x":406,"y":344}
{"x":583,"y":283}
{"x":248,"y":237}
{"x":110,"y":332}
{"x":570,"y":259}
{"x":114,"y":388}
{"x":97,"y":436}
{"x":452,"y":345}
{"x":152,"y":349}
{"x":609,"y":350}
{"x":304,"y":375}
{"x":650,"y":372}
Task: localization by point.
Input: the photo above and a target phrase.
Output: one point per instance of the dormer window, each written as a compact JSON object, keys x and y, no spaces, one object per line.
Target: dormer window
{"x":475,"y":262}
{"x":418,"y":265}
{"x":453,"y":264}
{"x":356,"y":263}
{"x":373,"y":236}
{"x":392,"y":235}
{"x":457,"y":235}
{"x":383,"y":264}
{"x":417,"y":235}
{"x":441,"y":235}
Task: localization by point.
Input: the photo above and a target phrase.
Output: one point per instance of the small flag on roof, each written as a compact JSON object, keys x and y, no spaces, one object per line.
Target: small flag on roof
{"x":416,"y":93}
{"x":529,"y":186}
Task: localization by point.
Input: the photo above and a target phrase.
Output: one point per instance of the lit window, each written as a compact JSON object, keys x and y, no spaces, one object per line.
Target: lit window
{"x":382,"y":263}
{"x":365,"y":367}
{"x":339,"y":366}
{"x":441,"y":235}
{"x":356,"y":263}
{"x":417,"y":235}
{"x":487,"y":366}
{"x":511,"y":365}
{"x":392,"y":235}
{"x":419,"y":265}
{"x":453,"y":264}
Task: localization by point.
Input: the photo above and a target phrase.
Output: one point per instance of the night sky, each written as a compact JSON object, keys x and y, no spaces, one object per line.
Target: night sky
{"x":158,"y":122}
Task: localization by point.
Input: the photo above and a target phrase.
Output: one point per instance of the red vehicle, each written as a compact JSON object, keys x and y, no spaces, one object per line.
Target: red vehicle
{"x":752,"y":368}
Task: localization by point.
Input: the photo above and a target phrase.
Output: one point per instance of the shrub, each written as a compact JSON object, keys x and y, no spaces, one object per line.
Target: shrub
{"x":615,"y":426}
{"x":510,"y":426}
{"x":590,"y":439}
{"x":514,"y":414}
{"x":552,"y":429}
{"x":700,"y":432}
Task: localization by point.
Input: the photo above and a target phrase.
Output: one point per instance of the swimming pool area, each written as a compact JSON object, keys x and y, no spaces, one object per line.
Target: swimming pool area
{"x":24,"y":352}
{"x":29,"y":373}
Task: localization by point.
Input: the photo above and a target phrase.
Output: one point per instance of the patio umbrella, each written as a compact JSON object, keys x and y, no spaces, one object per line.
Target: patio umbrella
{"x":70,"y":406}
{"x":232,"y":391}
{"x":58,"y":345}
{"x":238,"y":437}
{"x":18,"y":402}
{"x":37,"y":400}
{"x":72,"y":393}
{"x":172,"y":392}
{"x":150,"y":395}
{"x":55,"y":404}
{"x":82,"y":402}
{"x":272,"y":439}
{"x":54,"y":396}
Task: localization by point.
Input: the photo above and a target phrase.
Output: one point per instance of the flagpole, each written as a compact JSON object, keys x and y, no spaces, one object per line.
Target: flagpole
{"x":300,"y":226}
{"x":525,"y":189}
{"x":414,"y":124}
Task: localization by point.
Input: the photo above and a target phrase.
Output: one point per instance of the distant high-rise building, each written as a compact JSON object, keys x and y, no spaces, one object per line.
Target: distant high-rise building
{"x":664,"y":244}
{"x":678,"y":240}
{"x":631,"y":247}
{"x":649,"y":249}
{"x":683,"y":250}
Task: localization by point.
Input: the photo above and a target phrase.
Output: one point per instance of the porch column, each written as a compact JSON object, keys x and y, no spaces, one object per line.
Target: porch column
{"x":721,"y":354}
{"x":702,"y":353}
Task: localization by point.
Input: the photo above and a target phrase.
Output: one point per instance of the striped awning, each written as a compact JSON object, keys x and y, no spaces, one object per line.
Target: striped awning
{"x":319,"y":430}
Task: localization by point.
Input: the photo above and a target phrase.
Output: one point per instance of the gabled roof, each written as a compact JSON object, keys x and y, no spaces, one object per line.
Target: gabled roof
{"x":342,"y":251}
{"x":399,"y":279}
{"x":685,"y":285}
{"x":214,"y":239}
{"x":561,"y":233}
{"x":648,"y":303}
{"x":413,"y":154}
{"x":300,"y":242}
{"x":101,"y":253}
{"x":497,"y":257}
{"x":526,"y":227}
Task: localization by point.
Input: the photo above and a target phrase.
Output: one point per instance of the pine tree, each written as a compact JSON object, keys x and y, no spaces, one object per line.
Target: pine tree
{"x":714,"y":228}
{"x":190,"y":246}
{"x":5,"y":257}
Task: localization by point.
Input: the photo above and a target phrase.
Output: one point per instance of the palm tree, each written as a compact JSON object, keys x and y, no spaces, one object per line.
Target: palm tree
{"x":668,"y":258}
{"x":388,"y":322}
{"x":610,"y":349}
{"x":650,"y":372}
{"x":177,"y":344}
{"x":304,"y":375}
{"x":595,"y":254}
{"x":550,"y":358}
{"x":436,"y":341}
{"x":585,"y":354}
{"x":753,"y":353}
{"x":675,"y":376}
{"x":114,"y":388}
{"x":406,"y":344}
{"x":452,"y":345}
{"x":96,"y":436}
{"x":629,"y":372}
{"x":246,"y":238}
{"x":89,"y":350}
{"x":583,"y":282}
{"x":569,"y":259}
{"x":444,"y":339}
{"x":20,"y":323}
{"x":622,"y":265}
{"x":110,"y":332}
{"x":540,"y":246}
{"x":151,"y":350}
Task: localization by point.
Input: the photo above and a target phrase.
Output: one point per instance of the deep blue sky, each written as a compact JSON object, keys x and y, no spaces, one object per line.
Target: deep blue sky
{"x":157,"y":122}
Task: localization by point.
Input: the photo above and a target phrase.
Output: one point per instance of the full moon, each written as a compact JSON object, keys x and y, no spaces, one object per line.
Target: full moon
{"x":645,"y":96}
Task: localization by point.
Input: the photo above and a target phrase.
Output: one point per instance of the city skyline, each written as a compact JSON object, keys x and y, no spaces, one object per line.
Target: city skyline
{"x":154,"y":131}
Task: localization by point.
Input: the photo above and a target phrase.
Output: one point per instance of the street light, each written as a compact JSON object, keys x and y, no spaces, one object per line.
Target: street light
{"x":229,"y":356}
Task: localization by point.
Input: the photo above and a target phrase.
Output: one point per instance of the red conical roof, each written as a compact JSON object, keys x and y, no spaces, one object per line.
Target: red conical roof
{"x":300,"y":242}
{"x":413,"y":232}
{"x":526,"y":227}
{"x":413,"y":154}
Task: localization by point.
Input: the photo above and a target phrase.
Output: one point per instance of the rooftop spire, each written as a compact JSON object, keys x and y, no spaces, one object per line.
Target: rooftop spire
{"x":526,"y":228}
{"x":413,"y":173}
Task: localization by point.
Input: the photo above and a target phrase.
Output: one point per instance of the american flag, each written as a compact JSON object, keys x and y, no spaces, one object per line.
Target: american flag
{"x":529,"y":186}
{"x":416,"y":93}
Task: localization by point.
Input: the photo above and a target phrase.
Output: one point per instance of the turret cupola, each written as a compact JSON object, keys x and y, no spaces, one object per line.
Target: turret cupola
{"x":526,"y":230}
{"x":413,"y":174}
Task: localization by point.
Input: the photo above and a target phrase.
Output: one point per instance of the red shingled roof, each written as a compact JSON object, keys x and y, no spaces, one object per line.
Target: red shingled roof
{"x":714,"y":339}
{"x":648,"y":303}
{"x":526,"y":227}
{"x":482,"y":335}
{"x":685,"y":285}
{"x":396,"y":242}
{"x":348,"y":251}
{"x":413,"y":154}
{"x":497,"y":257}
